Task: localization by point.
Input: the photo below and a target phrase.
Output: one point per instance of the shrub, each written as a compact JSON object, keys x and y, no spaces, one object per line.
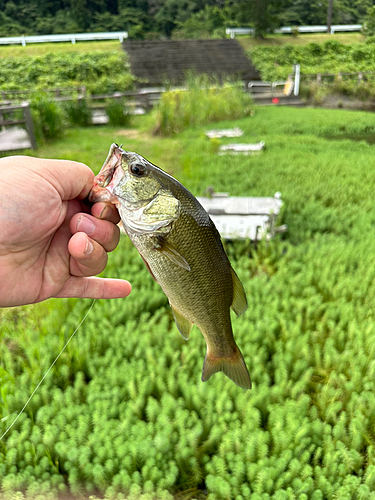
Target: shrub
{"x":117,"y":112}
{"x":202,"y":102}
{"x":78,"y":112}
{"x":47,"y":118}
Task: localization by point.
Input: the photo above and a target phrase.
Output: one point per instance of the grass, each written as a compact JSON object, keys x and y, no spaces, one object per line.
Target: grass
{"x":91,"y":145}
{"x":125,"y":410}
{"x":39,"y":49}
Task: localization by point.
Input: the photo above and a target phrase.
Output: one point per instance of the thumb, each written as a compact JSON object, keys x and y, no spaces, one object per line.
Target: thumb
{"x":70,"y":178}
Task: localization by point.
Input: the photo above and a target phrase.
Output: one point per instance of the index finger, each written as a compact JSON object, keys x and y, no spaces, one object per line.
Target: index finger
{"x":105,"y":211}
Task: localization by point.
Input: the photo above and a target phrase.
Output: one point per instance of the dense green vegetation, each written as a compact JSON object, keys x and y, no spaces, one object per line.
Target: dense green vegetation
{"x":99,"y":72}
{"x":302,"y":39}
{"x":329,"y":57}
{"x":169,"y":18}
{"x":124,"y":409}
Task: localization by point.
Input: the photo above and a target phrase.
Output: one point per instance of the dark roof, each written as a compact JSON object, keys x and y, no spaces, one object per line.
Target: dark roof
{"x":161,"y":61}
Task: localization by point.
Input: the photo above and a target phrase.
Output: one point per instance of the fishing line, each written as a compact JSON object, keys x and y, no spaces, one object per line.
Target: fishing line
{"x":47,"y":372}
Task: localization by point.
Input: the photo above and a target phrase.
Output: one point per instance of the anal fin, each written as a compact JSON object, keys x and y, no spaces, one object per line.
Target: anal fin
{"x":184,"y":325}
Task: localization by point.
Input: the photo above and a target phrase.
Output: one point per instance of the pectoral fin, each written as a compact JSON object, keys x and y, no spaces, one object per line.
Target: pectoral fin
{"x":184,"y":325}
{"x":239,"y":304}
{"x":172,"y":254}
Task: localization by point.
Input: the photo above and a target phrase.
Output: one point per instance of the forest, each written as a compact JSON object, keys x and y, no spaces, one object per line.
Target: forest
{"x":155,"y":19}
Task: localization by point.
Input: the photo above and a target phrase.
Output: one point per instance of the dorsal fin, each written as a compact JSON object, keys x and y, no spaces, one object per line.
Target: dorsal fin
{"x":239,"y":304}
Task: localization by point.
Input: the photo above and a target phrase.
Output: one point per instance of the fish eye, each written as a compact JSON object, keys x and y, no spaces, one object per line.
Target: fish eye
{"x":137,"y":169}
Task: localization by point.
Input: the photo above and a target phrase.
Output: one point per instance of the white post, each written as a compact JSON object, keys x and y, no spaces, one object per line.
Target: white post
{"x":297,"y":69}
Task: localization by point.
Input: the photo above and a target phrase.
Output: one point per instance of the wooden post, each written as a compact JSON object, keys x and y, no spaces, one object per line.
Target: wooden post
{"x":360,"y":77}
{"x":318,"y":78}
{"x":29,"y":124}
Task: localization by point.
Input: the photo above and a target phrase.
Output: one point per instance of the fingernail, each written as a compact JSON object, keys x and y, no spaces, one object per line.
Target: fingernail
{"x":104,"y":213}
{"x":89,"y":247}
{"x":85,"y":225}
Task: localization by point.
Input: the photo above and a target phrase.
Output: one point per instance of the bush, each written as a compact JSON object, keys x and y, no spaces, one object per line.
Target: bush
{"x":47,"y":118}
{"x":202,"y":102}
{"x":117,"y":112}
{"x":78,"y":112}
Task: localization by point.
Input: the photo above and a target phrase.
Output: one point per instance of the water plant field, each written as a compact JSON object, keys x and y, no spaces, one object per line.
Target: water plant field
{"x":124,"y":413}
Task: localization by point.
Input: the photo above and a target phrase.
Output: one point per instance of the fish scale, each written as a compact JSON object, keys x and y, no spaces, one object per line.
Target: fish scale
{"x":183,"y":251}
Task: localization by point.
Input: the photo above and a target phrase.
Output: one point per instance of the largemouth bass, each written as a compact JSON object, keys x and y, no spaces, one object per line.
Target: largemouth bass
{"x":182,"y":249}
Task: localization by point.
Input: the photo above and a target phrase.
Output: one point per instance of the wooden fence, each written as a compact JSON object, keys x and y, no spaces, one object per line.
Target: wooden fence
{"x":145,"y":98}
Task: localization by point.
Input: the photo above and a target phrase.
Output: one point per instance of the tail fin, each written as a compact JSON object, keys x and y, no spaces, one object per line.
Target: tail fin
{"x":234,"y":367}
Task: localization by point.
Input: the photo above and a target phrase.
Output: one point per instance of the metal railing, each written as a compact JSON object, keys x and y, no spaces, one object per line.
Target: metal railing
{"x":301,"y":29}
{"x":291,"y":85}
{"x":72,"y":37}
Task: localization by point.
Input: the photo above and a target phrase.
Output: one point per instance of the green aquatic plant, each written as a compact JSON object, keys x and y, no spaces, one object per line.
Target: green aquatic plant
{"x":124,"y":414}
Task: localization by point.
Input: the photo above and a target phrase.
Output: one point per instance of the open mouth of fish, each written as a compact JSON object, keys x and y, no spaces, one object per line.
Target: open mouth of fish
{"x":108,"y":178}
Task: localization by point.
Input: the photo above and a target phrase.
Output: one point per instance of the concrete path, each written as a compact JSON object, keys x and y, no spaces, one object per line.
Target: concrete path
{"x":14,"y":139}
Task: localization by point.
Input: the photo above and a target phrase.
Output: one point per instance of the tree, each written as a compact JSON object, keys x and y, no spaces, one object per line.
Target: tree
{"x":312,"y":12}
{"x":329,"y":15}
{"x":208,"y":22}
{"x":263,"y":15}
{"x":368,"y":28}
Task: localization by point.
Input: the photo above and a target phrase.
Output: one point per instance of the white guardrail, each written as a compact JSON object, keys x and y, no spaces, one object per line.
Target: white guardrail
{"x":72,"y":37}
{"x":301,"y":29}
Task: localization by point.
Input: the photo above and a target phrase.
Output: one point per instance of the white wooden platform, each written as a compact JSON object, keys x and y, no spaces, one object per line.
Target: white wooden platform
{"x":229,"y":132}
{"x":241,"y":149}
{"x":251,"y":218}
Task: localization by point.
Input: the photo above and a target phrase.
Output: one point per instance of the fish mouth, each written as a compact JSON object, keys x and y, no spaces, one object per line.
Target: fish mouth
{"x":108,"y":177}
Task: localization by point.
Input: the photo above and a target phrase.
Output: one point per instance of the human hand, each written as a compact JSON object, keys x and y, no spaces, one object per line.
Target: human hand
{"x":49,"y":245}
